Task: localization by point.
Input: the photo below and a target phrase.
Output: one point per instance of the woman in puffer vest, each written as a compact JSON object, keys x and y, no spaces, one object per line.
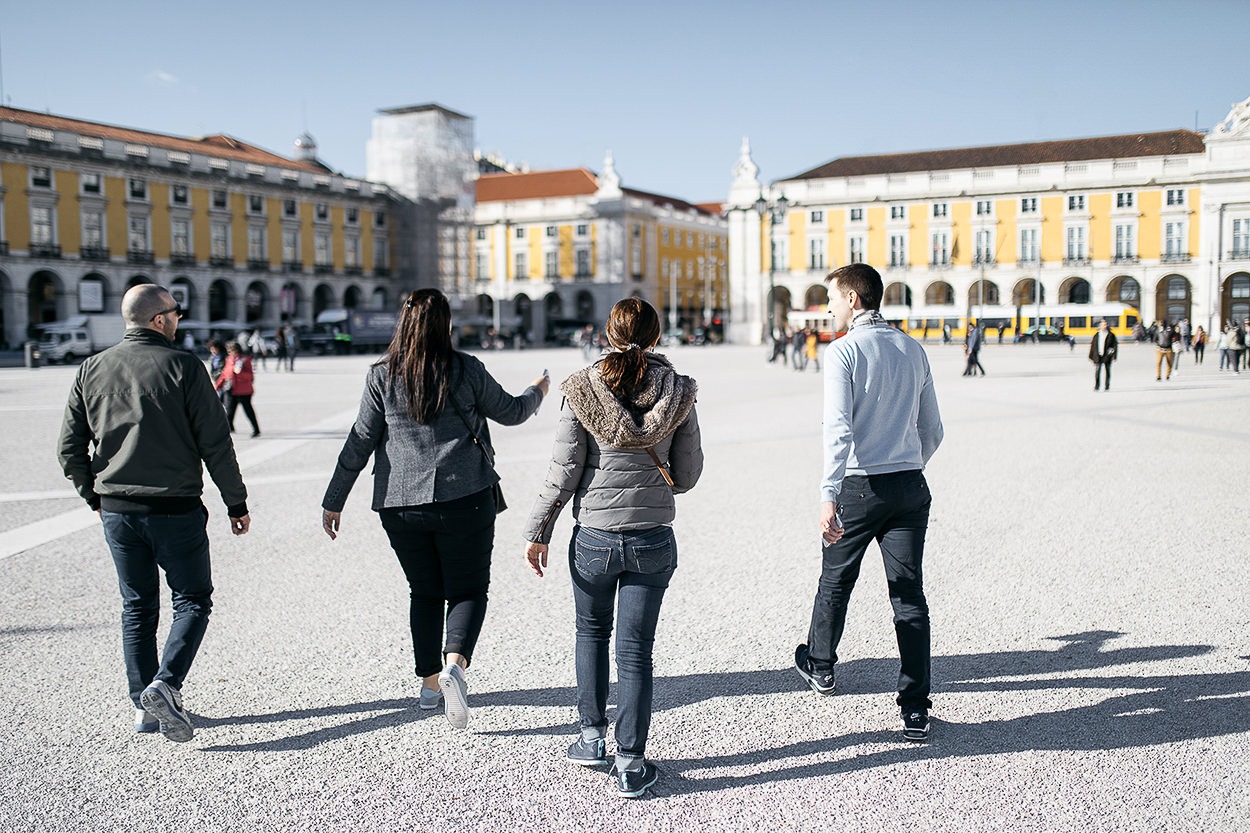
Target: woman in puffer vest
{"x":627,"y":441}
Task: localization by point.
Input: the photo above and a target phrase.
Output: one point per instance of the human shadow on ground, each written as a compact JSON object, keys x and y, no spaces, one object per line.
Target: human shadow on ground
{"x":1175,"y":707}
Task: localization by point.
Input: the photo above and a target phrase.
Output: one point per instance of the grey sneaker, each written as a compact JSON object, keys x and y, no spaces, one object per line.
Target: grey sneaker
{"x":820,"y":682}
{"x":431,"y":698}
{"x":165,"y":703}
{"x":632,"y":783}
{"x":455,"y":695}
{"x":916,"y":725}
{"x":588,"y":752}
{"x":145,"y":724}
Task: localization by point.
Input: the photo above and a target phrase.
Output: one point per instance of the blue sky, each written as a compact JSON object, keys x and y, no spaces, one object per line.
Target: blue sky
{"x":671,"y":88}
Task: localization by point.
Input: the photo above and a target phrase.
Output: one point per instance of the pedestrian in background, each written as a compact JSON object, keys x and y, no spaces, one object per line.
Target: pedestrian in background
{"x":216,"y":365}
{"x":1103,"y":349}
{"x":292,"y":348}
{"x":798,"y":359}
{"x":1178,"y":347}
{"x":1163,"y":336}
{"x":1237,"y":344}
{"x":811,"y":349}
{"x":279,"y":347}
{"x":1226,"y":354}
{"x":1200,"y":344}
{"x":238,"y":382}
{"x":881,"y":426}
{"x":140,"y":423}
{"x":972,"y":349}
{"x":628,"y":439}
{"x":256,"y":346}
{"x":423,"y":420}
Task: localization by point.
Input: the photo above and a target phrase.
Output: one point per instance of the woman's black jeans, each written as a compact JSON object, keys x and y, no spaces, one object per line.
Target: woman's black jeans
{"x":893,"y":510}
{"x":444,"y":550}
{"x":631,"y":569}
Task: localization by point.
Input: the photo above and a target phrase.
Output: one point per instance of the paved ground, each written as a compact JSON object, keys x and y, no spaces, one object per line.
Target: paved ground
{"x":1086,"y":571}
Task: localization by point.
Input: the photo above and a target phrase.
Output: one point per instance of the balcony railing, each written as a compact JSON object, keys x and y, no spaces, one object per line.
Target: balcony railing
{"x":221,"y":261}
{"x":381,"y":272}
{"x":181,"y":259}
{"x":1239,"y":254}
{"x":254,"y":265}
{"x":353,"y":270}
{"x":939,"y":265}
{"x":901,"y":264}
{"x":292,"y":266}
{"x":1177,"y":258}
{"x":1076,"y":261}
{"x":323,"y":268}
{"x":94,"y":253}
{"x":1026,"y":262}
{"x":139,"y":256}
{"x":49,"y":250}
{"x":983,"y":260}
{"x":1125,"y":259}
{"x":583,"y":276}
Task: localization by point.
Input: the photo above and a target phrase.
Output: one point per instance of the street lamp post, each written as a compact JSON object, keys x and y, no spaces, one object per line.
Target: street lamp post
{"x":776,"y":211}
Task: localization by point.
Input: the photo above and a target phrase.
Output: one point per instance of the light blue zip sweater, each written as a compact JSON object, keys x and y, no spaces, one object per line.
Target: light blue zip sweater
{"x":881,"y":413}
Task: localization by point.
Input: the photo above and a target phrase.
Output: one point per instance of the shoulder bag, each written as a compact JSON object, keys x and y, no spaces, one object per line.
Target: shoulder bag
{"x":496,"y":489}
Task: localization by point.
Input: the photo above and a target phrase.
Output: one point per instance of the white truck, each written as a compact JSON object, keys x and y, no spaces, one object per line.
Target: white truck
{"x":79,"y":337}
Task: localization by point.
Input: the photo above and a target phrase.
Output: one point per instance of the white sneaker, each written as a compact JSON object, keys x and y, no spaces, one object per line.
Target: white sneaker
{"x":165,"y":703}
{"x":455,"y":695}
{"x":146,"y":724}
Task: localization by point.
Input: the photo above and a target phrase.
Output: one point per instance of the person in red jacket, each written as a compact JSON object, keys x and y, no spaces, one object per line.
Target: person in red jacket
{"x":236,"y":380}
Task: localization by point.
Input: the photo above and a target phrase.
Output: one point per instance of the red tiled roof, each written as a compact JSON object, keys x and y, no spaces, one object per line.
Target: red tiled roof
{"x":536,"y":185}
{"x":712,"y":207}
{"x":574,"y":182}
{"x":1167,"y":143}
{"x":219,"y":145}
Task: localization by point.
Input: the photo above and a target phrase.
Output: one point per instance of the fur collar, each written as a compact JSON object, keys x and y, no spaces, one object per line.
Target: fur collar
{"x":660,"y":405}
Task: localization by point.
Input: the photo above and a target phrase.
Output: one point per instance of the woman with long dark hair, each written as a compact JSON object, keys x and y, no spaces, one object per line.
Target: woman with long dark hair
{"x":423,"y":419}
{"x":628,"y":439}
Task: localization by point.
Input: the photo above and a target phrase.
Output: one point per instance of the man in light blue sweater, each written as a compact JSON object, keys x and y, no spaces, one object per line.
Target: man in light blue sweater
{"x":881,"y":426}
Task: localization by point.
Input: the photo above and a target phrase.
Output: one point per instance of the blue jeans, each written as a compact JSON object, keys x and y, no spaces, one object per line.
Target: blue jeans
{"x":142,"y":545}
{"x":632,"y":570}
{"x":893,"y":510}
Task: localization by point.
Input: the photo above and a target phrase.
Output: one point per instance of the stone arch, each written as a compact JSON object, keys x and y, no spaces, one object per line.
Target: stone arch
{"x":779,"y":303}
{"x":1026,"y":291}
{"x":585,"y":303}
{"x":220,"y":300}
{"x":45,"y":293}
{"x":351,"y":297}
{"x":378,"y":299}
{"x":525,"y":312}
{"x":983,"y":292}
{"x":323,"y":299}
{"x":553,"y":305}
{"x":897,"y":294}
{"x":1124,"y":289}
{"x":485,"y":305}
{"x":816,"y":297}
{"x":137,"y":280}
{"x":255,"y":302}
{"x":1074,"y":290}
{"x":939,"y":293}
{"x":1173,"y":298}
{"x":1235,"y":298}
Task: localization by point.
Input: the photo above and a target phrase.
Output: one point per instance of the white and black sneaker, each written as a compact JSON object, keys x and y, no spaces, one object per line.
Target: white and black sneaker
{"x":916,"y":725}
{"x":455,"y":695}
{"x":588,"y":752}
{"x":164,"y":702}
{"x":820,"y":682}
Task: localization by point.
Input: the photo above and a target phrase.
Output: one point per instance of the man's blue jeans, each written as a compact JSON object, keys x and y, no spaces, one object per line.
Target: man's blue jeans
{"x":893,"y":510}
{"x":631,"y":569}
{"x":142,"y":545}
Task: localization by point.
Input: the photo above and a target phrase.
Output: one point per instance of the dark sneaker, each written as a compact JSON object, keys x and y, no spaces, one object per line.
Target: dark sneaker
{"x":588,"y":752}
{"x":165,"y":704}
{"x":820,"y":682}
{"x":632,"y":783}
{"x":916,"y":725}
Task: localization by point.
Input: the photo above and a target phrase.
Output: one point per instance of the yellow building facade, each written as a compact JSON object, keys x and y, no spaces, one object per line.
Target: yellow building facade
{"x":239,"y":235}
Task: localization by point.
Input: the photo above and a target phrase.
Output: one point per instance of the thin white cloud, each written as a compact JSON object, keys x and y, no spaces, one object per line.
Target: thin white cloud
{"x":162,"y":78}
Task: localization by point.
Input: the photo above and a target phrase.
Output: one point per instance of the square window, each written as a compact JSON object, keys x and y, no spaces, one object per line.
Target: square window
{"x":941,"y":209}
{"x":288,"y":208}
{"x":481,"y":234}
{"x":1028,"y":205}
{"x":91,"y":183}
{"x":138,"y":189}
{"x":1124,"y":199}
{"x":637,"y":230}
{"x":379,"y":219}
{"x":40,"y":176}
{"x":1076,"y":203}
{"x":857,"y":214}
{"x":322,"y":211}
{"x":520,"y":233}
{"x":985,"y":208}
{"x":353,"y":215}
{"x":818,"y":217}
{"x":179,"y":194}
{"x":219,"y":199}
{"x":583,"y":230}
{"x":898,"y":212}
{"x":551,"y":231}
{"x":255,"y":204}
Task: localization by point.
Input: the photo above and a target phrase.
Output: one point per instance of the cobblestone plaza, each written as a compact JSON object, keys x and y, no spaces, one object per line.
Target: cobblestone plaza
{"x":1085,"y":569}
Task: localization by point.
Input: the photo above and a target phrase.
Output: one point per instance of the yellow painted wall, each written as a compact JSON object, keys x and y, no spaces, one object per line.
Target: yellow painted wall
{"x":963,"y":241}
{"x":918,"y":245}
{"x":1149,"y":224}
{"x":837,"y":239}
{"x":238,"y":227}
{"x":877,"y":245}
{"x":565,"y":236}
{"x":1052,"y":243}
{"x":537,"y":263}
{"x":16,"y":179}
{"x":336,"y":237}
{"x":1101,"y":236}
{"x":273,"y":211}
{"x":158,"y":225}
{"x":1007,"y":242}
{"x":1192,"y":201}
{"x":68,"y":217}
{"x":796,"y":241}
{"x":201,"y":235}
{"x":307,"y":236}
{"x":366,"y":240}
{"x":115,"y":222}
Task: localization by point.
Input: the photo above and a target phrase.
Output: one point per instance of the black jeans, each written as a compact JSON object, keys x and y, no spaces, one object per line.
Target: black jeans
{"x":1101,"y":368}
{"x":233,"y":405}
{"x":444,"y":550}
{"x":631,"y":569}
{"x":142,"y":545}
{"x":893,"y":510}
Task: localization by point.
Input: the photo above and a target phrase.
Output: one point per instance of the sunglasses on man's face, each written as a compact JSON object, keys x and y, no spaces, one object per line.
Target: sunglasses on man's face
{"x":175,"y":310}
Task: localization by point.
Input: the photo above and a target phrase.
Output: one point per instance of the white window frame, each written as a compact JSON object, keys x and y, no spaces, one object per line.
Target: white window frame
{"x":50,"y":175}
{"x":1028,"y":205}
{"x":855,"y":214}
{"x":1178,"y":228}
{"x":187,"y":248}
{"x":1029,"y":252}
{"x":855,"y":249}
{"x":898,"y":250}
{"x":145,"y":232}
{"x":1125,"y":199}
{"x":941,"y":210}
{"x":1124,"y":237}
{"x":173,"y":194}
{"x":290,"y":245}
{"x":1174,"y":197}
{"x":257,"y":243}
{"x":984,"y":208}
{"x":816,"y":254}
{"x":50,"y":225}
{"x":1076,"y":203}
{"x":551,"y":264}
{"x":93,"y":212}
{"x":898,"y":212}
{"x":219,"y":233}
{"x":521,"y":266}
{"x":323,"y":249}
{"x":1075,"y":242}
{"x":939,"y":248}
{"x":983,"y":245}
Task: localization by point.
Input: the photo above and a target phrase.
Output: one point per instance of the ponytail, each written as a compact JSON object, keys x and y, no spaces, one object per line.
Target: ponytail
{"x":633,"y":327}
